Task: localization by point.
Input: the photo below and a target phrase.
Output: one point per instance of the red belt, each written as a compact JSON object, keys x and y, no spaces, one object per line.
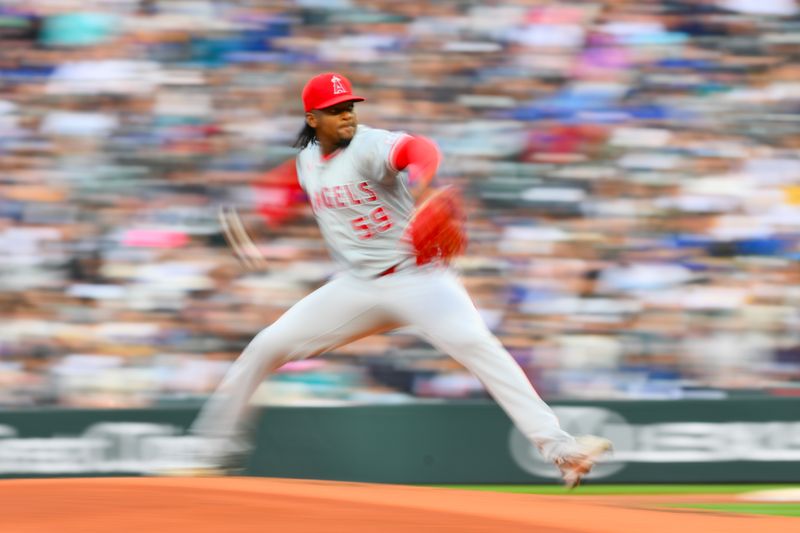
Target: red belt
{"x":390,"y":270}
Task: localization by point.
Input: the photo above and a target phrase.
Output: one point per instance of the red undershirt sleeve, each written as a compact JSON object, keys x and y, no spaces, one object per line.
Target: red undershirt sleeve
{"x":278,"y":194}
{"x":418,"y":155}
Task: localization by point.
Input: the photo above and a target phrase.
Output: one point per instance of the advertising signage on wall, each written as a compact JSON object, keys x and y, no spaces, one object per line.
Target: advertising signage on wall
{"x":684,"y":441}
{"x":434,"y":442}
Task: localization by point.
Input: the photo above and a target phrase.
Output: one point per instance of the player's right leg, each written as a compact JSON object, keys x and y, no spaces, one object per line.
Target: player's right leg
{"x":335,"y":314}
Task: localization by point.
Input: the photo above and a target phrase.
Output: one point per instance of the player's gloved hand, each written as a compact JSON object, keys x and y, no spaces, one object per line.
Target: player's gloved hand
{"x":437,"y":227}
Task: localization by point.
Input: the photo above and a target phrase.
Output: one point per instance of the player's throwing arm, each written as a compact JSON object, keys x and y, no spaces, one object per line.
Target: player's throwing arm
{"x":239,"y":240}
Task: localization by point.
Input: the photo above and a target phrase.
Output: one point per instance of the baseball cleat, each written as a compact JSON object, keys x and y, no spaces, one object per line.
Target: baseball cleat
{"x":202,"y":457}
{"x":191,"y":472}
{"x":219,"y":467}
{"x":575,"y":465}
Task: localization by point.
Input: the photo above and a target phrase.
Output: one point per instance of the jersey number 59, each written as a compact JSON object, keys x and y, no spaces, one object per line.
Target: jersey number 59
{"x":368,"y":226}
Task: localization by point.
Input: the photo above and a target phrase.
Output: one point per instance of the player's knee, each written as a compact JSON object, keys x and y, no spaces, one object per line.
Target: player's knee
{"x":472,"y":342}
{"x":280,"y":345}
{"x":271,"y":345}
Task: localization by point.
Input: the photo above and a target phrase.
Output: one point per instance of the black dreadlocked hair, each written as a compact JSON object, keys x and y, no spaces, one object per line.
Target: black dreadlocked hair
{"x":307,"y":135}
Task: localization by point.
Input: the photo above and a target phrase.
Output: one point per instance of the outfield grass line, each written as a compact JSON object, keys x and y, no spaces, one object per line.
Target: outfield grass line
{"x":772,"y":509}
{"x":595,"y":490}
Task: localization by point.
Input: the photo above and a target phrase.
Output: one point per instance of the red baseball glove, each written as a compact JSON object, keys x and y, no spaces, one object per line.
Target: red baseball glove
{"x":437,"y":227}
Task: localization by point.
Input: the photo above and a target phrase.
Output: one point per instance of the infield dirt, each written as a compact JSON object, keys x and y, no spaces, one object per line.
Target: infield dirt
{"x":234,"y":505}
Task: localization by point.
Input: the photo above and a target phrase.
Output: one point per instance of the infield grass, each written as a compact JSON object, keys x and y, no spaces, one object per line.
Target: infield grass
{"x":594,"y":490}
{"x":774,"y":509}
{"x":766,"y":508}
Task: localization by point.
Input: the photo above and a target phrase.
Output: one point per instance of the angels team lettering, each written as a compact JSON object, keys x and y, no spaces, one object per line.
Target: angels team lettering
{"x":340,"y":196}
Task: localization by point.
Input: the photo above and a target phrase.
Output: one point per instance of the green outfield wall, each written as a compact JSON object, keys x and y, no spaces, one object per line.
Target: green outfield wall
{"x":748,"y":440}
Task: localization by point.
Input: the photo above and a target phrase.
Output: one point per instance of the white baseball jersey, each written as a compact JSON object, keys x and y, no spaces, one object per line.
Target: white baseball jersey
{"x":362,"y":206}
{"x":361,"y":202}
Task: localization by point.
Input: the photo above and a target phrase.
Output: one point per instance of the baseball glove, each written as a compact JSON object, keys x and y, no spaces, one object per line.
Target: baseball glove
{"x":436,"y":228}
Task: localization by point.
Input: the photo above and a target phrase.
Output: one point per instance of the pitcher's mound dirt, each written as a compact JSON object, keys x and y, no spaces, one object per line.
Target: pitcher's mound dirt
{"x":234,"y":505}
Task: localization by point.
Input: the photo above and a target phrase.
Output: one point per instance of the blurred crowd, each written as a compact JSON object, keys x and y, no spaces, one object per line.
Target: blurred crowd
{"x":631,"y":170}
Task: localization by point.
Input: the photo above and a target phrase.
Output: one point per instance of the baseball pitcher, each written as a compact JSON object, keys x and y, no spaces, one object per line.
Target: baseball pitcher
{"x":393,"y":237}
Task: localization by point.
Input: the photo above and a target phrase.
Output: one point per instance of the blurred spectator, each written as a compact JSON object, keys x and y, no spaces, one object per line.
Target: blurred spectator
{"x":632,"y":171}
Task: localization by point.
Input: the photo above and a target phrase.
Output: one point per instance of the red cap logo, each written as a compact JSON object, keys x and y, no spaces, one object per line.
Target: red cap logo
{"x":326,"y":90}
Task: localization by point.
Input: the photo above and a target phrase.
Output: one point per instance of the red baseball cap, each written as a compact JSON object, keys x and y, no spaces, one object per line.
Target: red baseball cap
{"x":327,"y":89}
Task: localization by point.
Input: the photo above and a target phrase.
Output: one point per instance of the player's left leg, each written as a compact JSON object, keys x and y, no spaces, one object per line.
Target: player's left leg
{"x":335,"y":314}
{"x":439,"y":307}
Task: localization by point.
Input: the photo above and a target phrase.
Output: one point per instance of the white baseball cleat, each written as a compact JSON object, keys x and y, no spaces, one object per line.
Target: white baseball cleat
{"x":201,"y":457}
{"x":189,"y":472}
{"x":580,"y":461}
{"x":188,"y":465}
